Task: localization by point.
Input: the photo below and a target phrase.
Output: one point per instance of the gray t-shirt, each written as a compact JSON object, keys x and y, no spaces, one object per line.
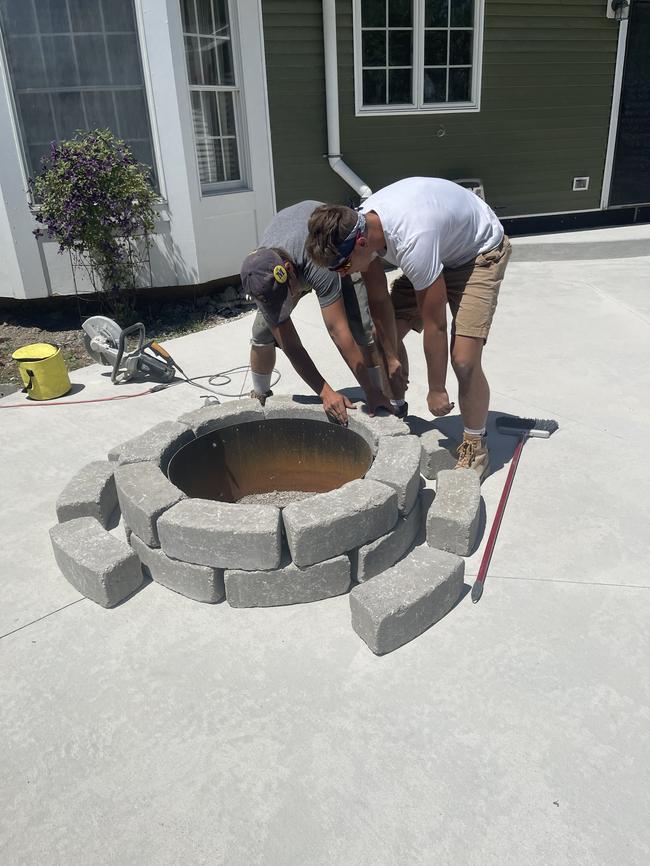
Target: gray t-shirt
{"x":288,"y":230}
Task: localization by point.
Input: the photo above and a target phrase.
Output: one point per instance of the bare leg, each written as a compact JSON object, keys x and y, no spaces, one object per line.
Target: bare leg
{"x":262,"y":359}
{"x":473,"y":388}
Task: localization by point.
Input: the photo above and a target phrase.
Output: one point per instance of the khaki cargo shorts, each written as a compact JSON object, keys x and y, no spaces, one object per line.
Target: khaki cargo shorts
{"x":472,"y":292}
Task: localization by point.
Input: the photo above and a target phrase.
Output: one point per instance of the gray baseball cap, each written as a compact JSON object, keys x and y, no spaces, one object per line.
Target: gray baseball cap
{"x":265,"y":278}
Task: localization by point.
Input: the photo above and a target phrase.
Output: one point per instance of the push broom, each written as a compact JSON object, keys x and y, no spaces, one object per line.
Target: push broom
{"x":525,"y":429}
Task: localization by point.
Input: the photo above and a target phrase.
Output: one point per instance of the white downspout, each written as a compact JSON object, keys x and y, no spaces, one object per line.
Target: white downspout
{"x":332,"y":102}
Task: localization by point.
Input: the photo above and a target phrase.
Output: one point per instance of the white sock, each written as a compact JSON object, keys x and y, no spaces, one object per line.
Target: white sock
{"x":397,"y":403}
{"x":374,"y":374}
{"x":261,"y":382}
{"x":475,"y":433}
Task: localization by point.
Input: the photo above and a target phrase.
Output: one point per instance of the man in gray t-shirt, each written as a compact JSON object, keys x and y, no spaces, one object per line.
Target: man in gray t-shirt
{"x":276,"y":276}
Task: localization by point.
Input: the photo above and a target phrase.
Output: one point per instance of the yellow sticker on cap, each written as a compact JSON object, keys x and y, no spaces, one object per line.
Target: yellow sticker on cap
{"x":280,"y":274}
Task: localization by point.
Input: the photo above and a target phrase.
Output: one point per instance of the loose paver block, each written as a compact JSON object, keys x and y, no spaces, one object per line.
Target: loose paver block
{"x":289,"y":584}
{"x":373,"y":427}
{"x":98,"y":565}
{"x":216,"y":417}
{"x":438,"y":453}
{"x":199,"y":582}
{"x":453,"y":519}
{"x":331,"y":523}
{"x":283,"y":406}
{"x":144,"y":493}
{"x":222,"y":534}
{"x":397,"y":464}
{"x":398,"y":605}
{"x":384,"y":552}
{"x":90,"y":493}
{"x":158,"y":444}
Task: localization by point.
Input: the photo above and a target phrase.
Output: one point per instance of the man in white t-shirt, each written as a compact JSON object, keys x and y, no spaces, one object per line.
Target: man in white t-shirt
{"x":452,"y":250}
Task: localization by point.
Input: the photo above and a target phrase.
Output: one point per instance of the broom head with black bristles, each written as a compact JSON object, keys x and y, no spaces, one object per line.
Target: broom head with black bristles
{"x":537,"y":427}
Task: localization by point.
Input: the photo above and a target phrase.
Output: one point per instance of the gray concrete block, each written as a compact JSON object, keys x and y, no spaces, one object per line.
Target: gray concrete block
{"x":384,"y":552}
{"x":198,"y":582}
{"x":98,"y":565}
{"x":397,"y":464}
{"x":222,"y":534}
{"x":398,"y":605}
{"x":438,"y":453}
{"x":327,"y":524}
{"x":158,"y":445}
{"x":216,"y":417}
{"x":373,"y":427}
{"x":288,"y":584}
{"x":283,"y":406}
{"x":144,"y":493}
{"x":89,"y":493}
{"x":453,"y":519}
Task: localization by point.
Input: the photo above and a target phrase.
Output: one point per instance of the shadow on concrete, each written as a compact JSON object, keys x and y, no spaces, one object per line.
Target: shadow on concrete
{"x":146,"y":581}
{"x":114,"y":519}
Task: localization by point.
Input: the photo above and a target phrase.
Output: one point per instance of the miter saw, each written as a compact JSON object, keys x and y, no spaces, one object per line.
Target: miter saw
{"x":106,"y":344}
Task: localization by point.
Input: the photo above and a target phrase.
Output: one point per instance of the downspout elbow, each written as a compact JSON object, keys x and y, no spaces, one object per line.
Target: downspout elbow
{"x":345,"y":172}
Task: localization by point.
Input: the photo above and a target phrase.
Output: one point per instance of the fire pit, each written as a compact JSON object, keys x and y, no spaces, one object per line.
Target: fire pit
{"x":215,"y":504}
{"x":271,"y":461}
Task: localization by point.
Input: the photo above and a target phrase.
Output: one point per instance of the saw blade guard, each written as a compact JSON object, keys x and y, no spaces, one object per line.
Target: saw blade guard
{"x":102,"y":338}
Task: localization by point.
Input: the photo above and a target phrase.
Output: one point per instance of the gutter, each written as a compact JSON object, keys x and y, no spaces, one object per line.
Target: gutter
{"x":332,"y":102}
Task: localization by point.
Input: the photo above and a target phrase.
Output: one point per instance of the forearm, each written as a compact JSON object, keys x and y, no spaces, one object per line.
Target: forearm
{"x":353,"y":357}
{"x":305,"y":367}
{"x":436,"y":354}
{"x":383,"y":316}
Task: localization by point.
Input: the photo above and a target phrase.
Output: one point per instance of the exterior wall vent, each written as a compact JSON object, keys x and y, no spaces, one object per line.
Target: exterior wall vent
{"x":580,"y":183}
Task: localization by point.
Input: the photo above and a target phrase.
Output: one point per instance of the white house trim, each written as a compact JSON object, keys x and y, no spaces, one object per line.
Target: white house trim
{"x":198,"y":237}
{"x":613,"y":122}
{"x":418,"y":69}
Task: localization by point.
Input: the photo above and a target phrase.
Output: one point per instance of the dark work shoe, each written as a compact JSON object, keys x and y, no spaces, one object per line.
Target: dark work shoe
{"x":261,"y":397}
{"x":402,"y":411}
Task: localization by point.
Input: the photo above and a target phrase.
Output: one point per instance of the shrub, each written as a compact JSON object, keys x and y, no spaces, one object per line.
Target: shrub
{"x":97,"y":202}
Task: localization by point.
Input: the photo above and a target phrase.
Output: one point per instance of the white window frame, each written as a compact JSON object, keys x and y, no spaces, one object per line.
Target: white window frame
{"x":243,"y":183}
{"x":5,"y":73}
{"x":419,"y":106}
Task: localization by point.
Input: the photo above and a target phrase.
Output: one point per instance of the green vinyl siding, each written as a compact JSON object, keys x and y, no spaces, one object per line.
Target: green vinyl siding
{"x":546,"y":93}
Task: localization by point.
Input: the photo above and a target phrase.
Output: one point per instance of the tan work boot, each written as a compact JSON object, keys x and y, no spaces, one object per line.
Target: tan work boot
{"x":473,"y":454}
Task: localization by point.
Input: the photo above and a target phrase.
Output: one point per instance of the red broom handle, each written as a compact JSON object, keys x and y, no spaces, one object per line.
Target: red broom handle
{"x":477,"y":589}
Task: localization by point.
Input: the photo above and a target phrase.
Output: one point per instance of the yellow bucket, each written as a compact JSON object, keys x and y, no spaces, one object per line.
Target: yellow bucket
{"x":43,"y":371}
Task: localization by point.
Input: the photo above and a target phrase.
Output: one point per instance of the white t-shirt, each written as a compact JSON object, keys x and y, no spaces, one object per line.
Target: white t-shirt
{"x":430,"y":223}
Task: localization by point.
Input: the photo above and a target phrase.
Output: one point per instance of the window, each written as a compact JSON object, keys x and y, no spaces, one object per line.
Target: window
{"x":215,"y":96}
{"x":75,"y":65}
{"x":417,"y":55}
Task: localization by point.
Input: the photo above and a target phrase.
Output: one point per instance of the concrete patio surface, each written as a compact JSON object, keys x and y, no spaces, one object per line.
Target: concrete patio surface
{"x":166,"y":732}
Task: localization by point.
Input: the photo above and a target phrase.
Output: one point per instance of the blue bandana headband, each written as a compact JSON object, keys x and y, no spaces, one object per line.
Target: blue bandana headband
{"x":346,"y":246}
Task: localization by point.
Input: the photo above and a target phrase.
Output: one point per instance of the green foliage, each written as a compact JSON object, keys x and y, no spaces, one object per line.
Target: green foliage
{"x":96,"y":201}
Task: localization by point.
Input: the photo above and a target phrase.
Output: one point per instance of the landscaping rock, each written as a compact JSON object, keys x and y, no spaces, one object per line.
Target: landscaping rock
{"x":198,"y":582}
{"x":397,"y":464}
{"x":384,"y":552}
{"x":158,"y":444}
{"x":145,"y":493}
{"x":438,"y":453}
{"x":98,"y":565}
{"x":216,"y":417}
{"x":222,"y":534}
{"x":332,"y":523}
{"x":89,"y":493}
{"x":453,"y":519}
{"x":398,"y":605}
{"x":283,"y":406}
{"x":288,"y":584}
{"x":372,"y":427}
